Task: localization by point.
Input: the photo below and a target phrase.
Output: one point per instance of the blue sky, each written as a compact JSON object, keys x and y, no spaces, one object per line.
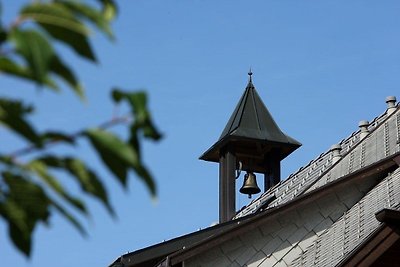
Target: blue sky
{"x":319,"y":66}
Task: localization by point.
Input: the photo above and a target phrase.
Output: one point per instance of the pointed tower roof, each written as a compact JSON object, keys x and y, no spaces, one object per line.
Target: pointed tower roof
{"x":251,"y":122}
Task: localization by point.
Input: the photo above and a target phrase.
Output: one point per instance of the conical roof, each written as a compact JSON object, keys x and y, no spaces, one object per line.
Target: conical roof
{"x":252,"y":122}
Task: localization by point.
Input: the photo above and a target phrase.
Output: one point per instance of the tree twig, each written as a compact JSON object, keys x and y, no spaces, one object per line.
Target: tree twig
{"x":33,"y":148}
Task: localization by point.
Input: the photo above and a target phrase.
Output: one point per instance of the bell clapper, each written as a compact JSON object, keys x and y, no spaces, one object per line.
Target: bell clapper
{"x":239,"y":170}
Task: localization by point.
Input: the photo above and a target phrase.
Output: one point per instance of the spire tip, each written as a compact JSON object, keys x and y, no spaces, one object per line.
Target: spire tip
{"x":250,"y":73}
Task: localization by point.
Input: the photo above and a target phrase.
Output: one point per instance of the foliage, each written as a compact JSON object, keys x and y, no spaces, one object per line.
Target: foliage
{"x":30,"y":191}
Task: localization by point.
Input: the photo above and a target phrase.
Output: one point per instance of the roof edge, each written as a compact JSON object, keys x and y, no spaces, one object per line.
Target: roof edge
{"x":208,"y":155}
{"x":255,"y":219}
{"x":379,"y":241}
{"x":174,"y":242}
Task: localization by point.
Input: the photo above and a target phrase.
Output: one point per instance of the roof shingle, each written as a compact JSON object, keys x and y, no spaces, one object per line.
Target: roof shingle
{"x":323,"y":170}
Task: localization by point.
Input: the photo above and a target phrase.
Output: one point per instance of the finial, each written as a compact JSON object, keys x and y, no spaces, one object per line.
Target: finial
{"x":250,"y":74}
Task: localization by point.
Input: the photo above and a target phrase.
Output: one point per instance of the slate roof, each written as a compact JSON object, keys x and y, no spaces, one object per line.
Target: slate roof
{"x":280,"y":235}
{"x":354,"y":226}
{"x":334,"y":238}
{"x":382,"y":141}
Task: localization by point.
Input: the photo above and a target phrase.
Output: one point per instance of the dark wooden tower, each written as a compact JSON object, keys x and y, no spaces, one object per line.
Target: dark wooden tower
{"x":252,"y":138}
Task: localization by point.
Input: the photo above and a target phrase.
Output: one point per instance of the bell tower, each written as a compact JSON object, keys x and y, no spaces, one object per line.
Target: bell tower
{"x":251,"y":141}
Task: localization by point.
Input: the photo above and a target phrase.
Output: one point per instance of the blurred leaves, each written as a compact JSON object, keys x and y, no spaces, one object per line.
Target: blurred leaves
{"x":27,"y":51}
{"x":142,"y":124}
{"x":23,"y":205}
{"x":31,"y":184}
{"x":12,"y":115}
{"x":62,"y":71}
{"x":62,"y":24}
{"x":100,"y":19}
{"x":113,"y":152}
{"x":138,"y":104}
{"x":121,"y":156}
{"x":7,"y":66}
{"x":34,"y":48}
{"x":83,"y":175}
{"x":39,"y":167}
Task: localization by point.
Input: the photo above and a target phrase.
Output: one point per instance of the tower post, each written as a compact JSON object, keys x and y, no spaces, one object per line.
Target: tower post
{"x":227,"y":167}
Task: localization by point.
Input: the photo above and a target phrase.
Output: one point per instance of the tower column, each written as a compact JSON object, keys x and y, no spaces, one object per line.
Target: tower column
{"x":272,"y":175}
{"x":227,"y":163}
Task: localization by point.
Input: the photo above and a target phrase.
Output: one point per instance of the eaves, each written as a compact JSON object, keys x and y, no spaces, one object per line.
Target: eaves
{"x":374,"y":172}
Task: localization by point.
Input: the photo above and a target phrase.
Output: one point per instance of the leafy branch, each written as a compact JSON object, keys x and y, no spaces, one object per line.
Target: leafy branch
{"x":52,"y":138}
{"x":31,"y":190}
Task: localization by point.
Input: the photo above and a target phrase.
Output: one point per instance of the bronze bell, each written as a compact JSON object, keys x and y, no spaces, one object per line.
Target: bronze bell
{"x":250,"y":186}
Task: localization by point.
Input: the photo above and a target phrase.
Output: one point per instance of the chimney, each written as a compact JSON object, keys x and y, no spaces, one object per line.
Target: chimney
{"x":391,"y":104}
{"x":336,"y":153}
{"x":363,"y":129}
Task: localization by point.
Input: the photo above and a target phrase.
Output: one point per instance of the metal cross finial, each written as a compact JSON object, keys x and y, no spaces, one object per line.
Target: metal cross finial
{"x":250,"y":74}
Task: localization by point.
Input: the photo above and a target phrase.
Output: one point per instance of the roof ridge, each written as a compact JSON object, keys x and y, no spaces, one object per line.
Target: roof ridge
{"x":377,"y":125}
{"x":378,"y":122}
{"x":373,"y":124}
{"x":346,"y":142}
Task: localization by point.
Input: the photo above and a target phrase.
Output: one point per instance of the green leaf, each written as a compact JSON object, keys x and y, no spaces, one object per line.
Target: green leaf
{"x":6,"y":160}
{"x":53,"y":14}
{"x":25,"y":205}
{"x":3,"y":34}
{"x":145,"y":175}
{"x":29,"y":196}
{"x":98,"y":18}
{"x":150,"y":131}
{"x":10,"y":67}
{"x":113,"y":151}
{"x":109,"y":9}
{"x":118,"y":156}
{"x":134,"y":140}
{"x":41,"y":60}
{"x":70,"y":218}
{"x":17,"y":229}
{"x":138,"y":103}
{"x":12,"y":115}
{"x":35,"y":50}
{"x":64,"y":72}
{"x":142,"y":122}
{"x":87,"y":179}
{"x":40,"y":168}
{"x":62,"y":25}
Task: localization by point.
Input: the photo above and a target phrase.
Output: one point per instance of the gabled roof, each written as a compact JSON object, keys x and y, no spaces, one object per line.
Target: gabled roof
{"x":365,"y":222}
{"x":365,"y":180}
{"x":251,"y":120}
{"x":381,"y":142}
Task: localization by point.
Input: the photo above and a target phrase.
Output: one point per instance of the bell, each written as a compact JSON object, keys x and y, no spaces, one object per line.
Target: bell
{"x":250,"y":186}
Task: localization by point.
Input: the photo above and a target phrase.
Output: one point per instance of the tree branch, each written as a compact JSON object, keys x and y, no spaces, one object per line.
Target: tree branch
{"x":32,"y":148}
